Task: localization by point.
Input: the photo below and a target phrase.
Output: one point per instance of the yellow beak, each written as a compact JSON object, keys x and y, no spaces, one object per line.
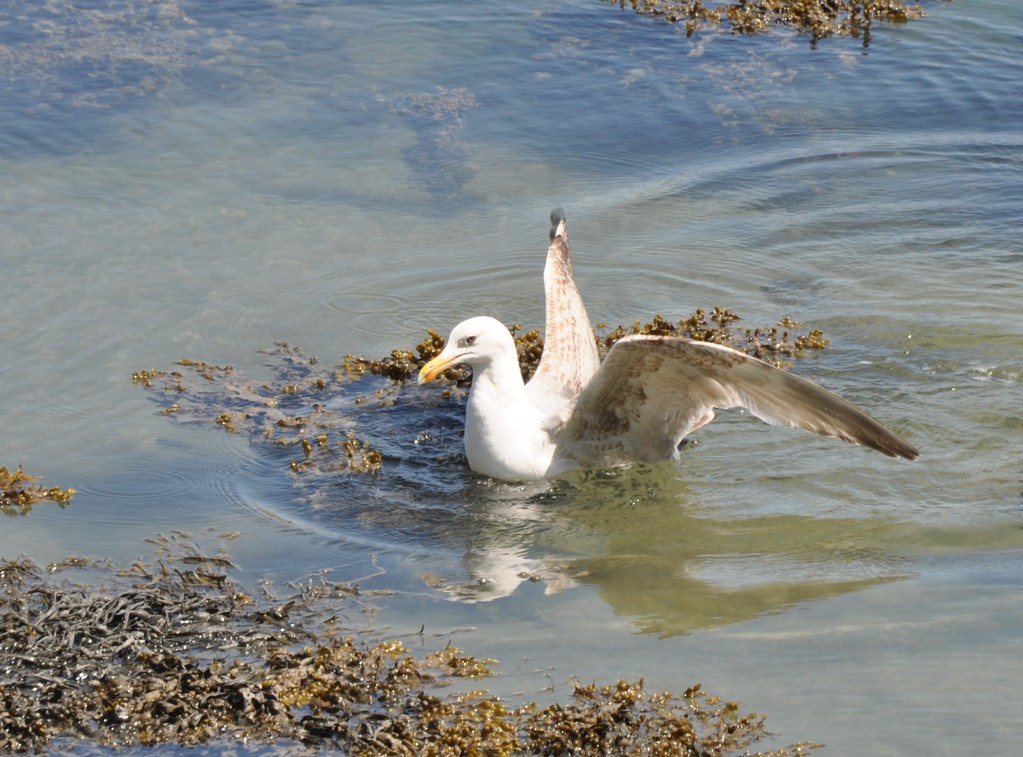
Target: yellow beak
{"x":435,"y":367}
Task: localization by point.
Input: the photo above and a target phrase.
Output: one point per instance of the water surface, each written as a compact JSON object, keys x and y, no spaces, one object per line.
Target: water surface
{"x":188,"y":180}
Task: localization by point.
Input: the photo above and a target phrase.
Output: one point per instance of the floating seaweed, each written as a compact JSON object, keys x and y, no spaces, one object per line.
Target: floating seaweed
{"x":722,"y":326}
{"x":288,"y":413}
{"x":19,"y":491}
{"x":817,"y":18}
{"x":173,"y":650}
{"x":308,"y":411}
{"x":292,"y":410}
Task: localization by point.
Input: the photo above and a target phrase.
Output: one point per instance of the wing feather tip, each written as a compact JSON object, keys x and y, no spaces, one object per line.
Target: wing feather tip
{"x":557,"y":218}
{"x":888,"y":443}
{"x":904,"y":450}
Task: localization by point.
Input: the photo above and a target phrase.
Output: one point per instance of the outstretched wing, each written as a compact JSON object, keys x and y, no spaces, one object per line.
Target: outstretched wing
{"x":652,"y":391}
{"x":570,"y":356}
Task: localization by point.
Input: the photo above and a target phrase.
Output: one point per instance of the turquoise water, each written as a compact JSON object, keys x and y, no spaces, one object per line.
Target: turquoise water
{"x":204,"y":180}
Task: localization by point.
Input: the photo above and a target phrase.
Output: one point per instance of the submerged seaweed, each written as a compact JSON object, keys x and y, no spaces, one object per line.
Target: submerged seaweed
{"x":173,"y":650}
{"x":437,"y":158}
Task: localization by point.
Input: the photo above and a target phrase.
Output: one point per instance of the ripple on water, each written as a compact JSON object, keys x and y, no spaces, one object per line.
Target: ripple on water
{"x":141,"y":484}
{"x":188,"y":478}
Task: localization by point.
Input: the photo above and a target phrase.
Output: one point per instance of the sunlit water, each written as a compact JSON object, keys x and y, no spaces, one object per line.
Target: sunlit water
{"x":203,"y":180}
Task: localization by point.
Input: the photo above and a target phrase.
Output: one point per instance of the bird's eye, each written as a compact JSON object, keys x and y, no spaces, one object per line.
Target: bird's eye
{"x":470,"y":340}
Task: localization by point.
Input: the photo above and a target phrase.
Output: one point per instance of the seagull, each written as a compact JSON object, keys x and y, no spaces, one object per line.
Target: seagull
{"x":647,"y":396}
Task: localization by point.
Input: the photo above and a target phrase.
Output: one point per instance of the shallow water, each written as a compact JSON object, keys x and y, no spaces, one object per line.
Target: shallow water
{"x":187,"y":180}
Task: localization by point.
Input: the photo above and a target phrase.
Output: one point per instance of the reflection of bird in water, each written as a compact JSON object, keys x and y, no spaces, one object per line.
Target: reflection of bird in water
{"x":640,"y":403}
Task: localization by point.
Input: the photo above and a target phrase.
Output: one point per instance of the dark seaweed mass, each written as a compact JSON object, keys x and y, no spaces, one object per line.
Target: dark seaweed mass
{"x":817,"y":19}
{"x":173,"y":650}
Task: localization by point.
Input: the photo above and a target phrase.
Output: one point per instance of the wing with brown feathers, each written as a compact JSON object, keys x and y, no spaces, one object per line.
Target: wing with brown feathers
{"x":652,"y":391}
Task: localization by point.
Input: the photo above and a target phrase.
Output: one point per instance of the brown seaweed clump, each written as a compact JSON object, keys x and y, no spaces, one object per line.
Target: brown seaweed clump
{"x":19,"y":491}
{"x":287,"y":413}
{"x":817,"y":18}
{"x":315,"y":415}
{"x":722,"y":326}
{"x":174,"y":651}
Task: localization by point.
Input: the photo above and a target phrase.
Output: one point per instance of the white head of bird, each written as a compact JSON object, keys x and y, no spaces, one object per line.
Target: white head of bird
{"x":478,"y":342}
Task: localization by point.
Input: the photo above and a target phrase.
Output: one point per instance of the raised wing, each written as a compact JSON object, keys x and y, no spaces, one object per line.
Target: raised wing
{"x":651,"y":391}
{"x":570,"y":356}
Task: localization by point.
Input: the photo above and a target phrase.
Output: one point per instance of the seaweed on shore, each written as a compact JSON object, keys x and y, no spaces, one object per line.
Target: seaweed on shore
{"x":816,"y":18}
{"x":173,"y":650}
{"x":308,"y":411}
{"x":19,"y":491}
